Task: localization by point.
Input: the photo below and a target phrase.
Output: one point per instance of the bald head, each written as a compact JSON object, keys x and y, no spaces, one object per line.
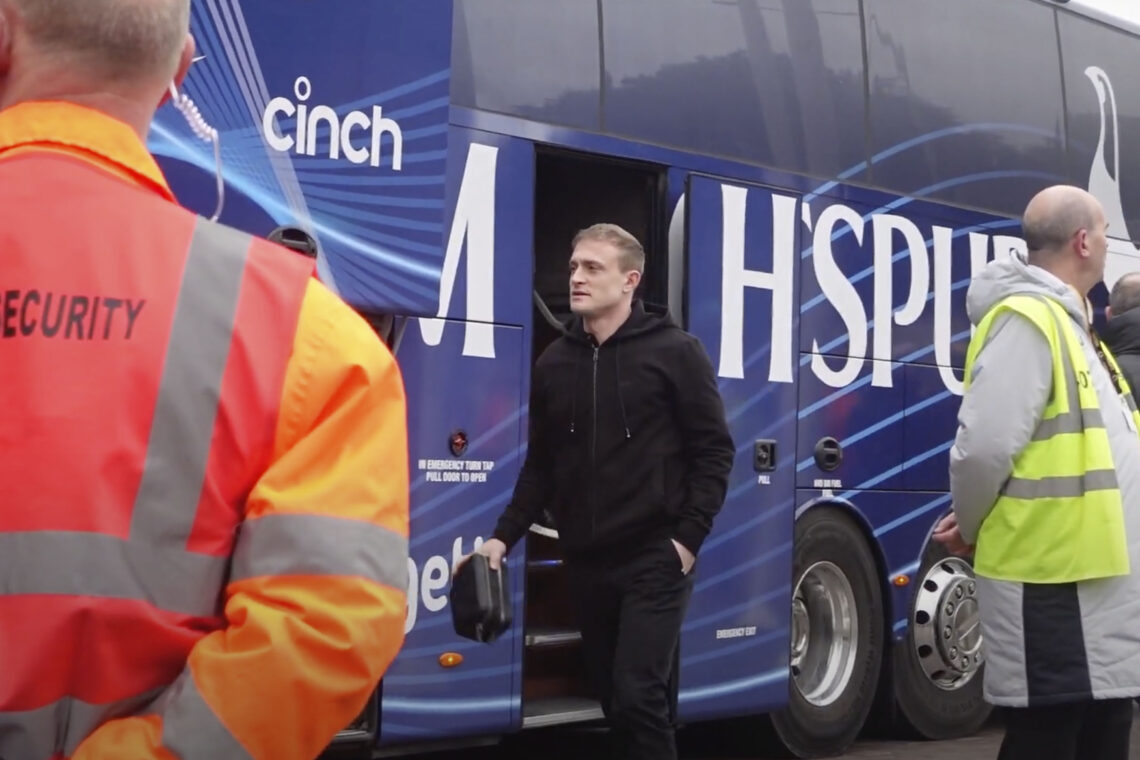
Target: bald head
{"x":126,"y":39}
{"x":1054,"y":216}
{"x":1065,"y":231}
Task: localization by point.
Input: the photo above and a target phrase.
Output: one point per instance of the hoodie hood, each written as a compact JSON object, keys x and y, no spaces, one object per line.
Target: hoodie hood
{"x":643,"y":319}
{"x":1122,"y":333}
{"x":1012,"y":276}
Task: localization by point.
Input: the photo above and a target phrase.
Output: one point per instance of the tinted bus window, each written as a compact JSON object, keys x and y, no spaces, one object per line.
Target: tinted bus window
{"x":535,"y":60}
{"x":967,"y":95}
{"x":1103,"y":95}
{"x":778,"y":82}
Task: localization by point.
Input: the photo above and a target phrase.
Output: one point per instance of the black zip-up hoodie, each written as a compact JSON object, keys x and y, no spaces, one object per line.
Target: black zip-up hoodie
{"x":628,"y":440}
{"x":1122,"y":334}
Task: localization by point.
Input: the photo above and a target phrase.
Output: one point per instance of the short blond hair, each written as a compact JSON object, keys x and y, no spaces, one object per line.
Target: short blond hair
{"x":631,"y":256}
{"x":119,"y":38}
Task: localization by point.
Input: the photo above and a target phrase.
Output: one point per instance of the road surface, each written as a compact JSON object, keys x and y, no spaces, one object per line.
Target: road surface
{"x":733,"y":740}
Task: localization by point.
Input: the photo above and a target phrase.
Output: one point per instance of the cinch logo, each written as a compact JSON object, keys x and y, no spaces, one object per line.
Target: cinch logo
{"x":340,"y":131}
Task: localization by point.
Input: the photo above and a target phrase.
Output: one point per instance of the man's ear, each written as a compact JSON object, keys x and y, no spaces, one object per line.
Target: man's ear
{"x":1108,"y":312}
{"x":184,"y":62}
{"x":5,"y":40}
{"x":1081,"y":244}
{"x":185,"y":59}
{"x":632,"y":279}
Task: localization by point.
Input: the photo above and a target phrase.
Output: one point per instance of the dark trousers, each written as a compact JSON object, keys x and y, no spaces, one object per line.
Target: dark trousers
{"x":1094,"y":730}
{"x":630,"y":610}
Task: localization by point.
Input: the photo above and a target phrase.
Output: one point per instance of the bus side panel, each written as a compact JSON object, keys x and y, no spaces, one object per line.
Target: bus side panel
{"x":900,"y":521}
{"x":1102,"y":97}
{"x":351,"y":147}
{"x":904,"y":338}
{"x":735,"y":638}
{"x":454,"y":500}
{"x":466,"y":374}
{"x":862,"y":418}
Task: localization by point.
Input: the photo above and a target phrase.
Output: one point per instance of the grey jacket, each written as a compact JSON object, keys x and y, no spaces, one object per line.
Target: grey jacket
{"x":1043,"y":643}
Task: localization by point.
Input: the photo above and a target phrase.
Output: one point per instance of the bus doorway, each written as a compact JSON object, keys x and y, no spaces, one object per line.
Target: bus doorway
{"x":572,"y":192}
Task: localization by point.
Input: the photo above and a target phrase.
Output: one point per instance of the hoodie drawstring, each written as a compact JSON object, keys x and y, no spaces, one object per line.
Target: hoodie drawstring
{"x":621,"y":400}
{"x":574,"y":393}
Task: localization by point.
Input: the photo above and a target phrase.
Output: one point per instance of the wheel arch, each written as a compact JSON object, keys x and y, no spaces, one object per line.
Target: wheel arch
{"x":788,"y":725}
{"x":849,"y":509}
{"x":882,"y":711}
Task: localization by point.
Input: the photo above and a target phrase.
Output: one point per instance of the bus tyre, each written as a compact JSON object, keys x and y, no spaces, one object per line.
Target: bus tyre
{"x":836,"y":636}
{"x":937,"y":667}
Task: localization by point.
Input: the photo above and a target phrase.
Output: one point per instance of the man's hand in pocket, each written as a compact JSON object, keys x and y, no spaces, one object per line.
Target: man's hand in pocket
{"x":687,"y":558}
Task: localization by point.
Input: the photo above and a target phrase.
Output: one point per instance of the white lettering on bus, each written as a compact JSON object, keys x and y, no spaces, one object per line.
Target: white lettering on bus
{"x":309,"y":119}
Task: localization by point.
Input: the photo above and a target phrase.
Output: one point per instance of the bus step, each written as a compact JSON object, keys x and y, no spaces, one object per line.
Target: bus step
{"x":554,"y":711}
{"x":353,"y":736}
{"x":539,"y":637}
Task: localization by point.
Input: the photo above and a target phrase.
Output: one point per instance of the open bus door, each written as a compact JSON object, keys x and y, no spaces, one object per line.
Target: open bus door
{"x":466,"y":382}
{"x":573,"y":191}
{"x":741,"y":251}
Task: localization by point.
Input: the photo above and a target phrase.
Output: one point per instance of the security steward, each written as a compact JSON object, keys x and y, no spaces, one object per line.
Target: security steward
{"x":1045,"y":480}
{"x":203,"y":463}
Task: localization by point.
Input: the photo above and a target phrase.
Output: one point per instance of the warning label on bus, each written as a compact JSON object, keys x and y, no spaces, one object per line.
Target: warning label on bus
{"x":455,"y":470}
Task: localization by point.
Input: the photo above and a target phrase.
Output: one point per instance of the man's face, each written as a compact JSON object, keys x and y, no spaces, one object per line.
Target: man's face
{"x":597,"y":283}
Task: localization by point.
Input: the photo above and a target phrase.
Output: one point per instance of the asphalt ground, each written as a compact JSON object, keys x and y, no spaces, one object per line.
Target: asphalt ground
{"x":733,"y":740}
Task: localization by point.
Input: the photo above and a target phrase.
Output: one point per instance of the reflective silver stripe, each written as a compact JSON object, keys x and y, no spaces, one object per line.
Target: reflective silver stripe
{"x":94,"y":564}
{"x":1072,"y":422}
{"x":152,"y":564}
{"x":288,"y":544}
{"x":60,"y":726}
{"x":1061,"y":486}
{"x":183,"y":425}
{"x":190,"y":727}
{"x":1076,"y":420}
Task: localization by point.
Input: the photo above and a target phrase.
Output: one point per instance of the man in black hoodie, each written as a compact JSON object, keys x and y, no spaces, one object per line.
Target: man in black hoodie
{"x":1123,"y":331}
{"x":1122,"y":334}
{"x":629,"y":449}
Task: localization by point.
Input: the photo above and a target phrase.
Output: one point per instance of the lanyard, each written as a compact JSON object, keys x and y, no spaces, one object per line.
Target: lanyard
{"x":1117,"y":380}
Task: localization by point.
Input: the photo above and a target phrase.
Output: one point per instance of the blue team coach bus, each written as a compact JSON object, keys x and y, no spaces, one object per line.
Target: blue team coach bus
{"x":815,"y":182}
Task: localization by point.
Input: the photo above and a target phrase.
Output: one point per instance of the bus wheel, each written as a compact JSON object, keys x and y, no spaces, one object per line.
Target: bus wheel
{"x":937,"y":666}
{"x":836,"y":636}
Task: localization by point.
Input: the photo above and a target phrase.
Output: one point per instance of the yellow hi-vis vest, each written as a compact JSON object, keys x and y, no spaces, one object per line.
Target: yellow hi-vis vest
{"x":1059,"y":518}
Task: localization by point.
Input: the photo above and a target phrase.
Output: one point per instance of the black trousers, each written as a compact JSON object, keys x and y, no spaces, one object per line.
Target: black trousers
{"x":1094,"y":730}
{"x":630,"y":610}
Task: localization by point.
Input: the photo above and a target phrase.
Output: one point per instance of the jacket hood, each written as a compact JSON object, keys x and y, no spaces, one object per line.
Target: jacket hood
{"x":643,"y":318}
{"x":1012,"y":276}
{"x":1123,"y":333}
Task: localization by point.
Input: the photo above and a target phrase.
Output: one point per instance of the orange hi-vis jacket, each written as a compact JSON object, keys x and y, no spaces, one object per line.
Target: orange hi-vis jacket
{"x":203,"y":470}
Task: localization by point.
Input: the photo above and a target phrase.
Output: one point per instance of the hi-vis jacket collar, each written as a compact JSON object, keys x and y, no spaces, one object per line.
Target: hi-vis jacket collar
{"x":83,"y":133}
